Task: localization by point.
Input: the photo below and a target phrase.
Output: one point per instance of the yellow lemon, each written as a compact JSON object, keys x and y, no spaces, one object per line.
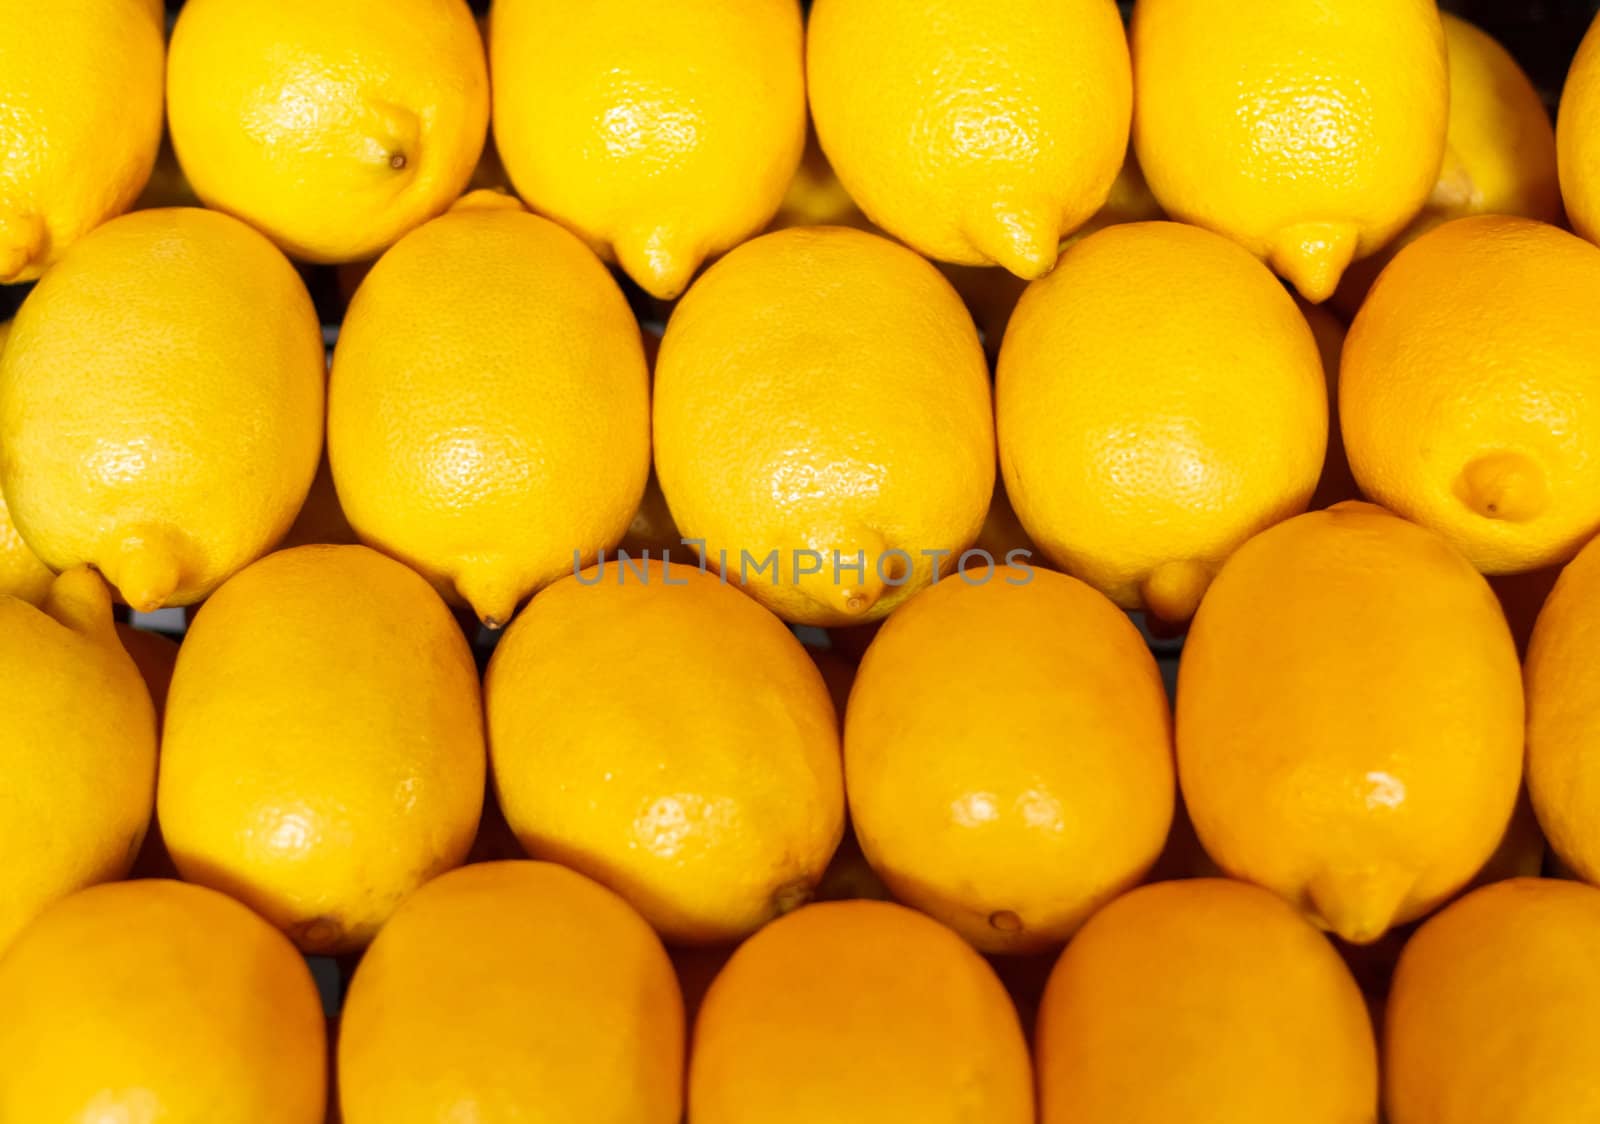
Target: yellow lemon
{"x":662,"y":137}
{"x":1331,"y":749}
{"x":1310,"y":131}
{"x":334,"y":126}
{"x":22,"y":575}
{"x":858,"y":1012}
{"x":823,"y":424}
{"x":509,"y":985}
{"x":323,"y":750}
{"x":1564,"y":715}
{"x":1578,"y":137}
{"x":1500,"y":154}
{"x":1209,"y":1002}
{"x":1012,"y":850}
{"x":1159,"y":399}
{"x":652,"y":727}
{"x":80,"y":121}
{"x":489,"y":408}
{"x":1495,"y":1009}
{"x":161,"y":401}
{"x":979,"y":134}
{"x":156,"y":1001}
{"x":1469,"y":390}
{"x":78,"y":755}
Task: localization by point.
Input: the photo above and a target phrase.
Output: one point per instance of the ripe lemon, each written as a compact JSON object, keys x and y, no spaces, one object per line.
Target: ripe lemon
{"x":660,"y":732}
{"x":79,"y":751}
{"x":1470,"y":390}
{"x":979,"y":134}
{"x":823,"y":423}
{"x":334,"y":126}
{"x":662,"y":138}
{"x":489,"y":408}
{"x":80,"y":121}
{"x":22,"y":575}
{"x":1310,"y":131}
{"x":858,"y":1012}
{"x":1500,"y":153}
{"x":1495,"y":1009}
{"x":161,"y":401}
{"x":1208,"y":1002}
{"x":1012,"y":850}
{"x":1578,"y":137}
{"x":1159,"y":399}
{"x":158,"y":1001}
{"x":323,"y":752}
{"x":1564,"y":715}
{"x":1331,"y":749}
{"x":509,"y":987}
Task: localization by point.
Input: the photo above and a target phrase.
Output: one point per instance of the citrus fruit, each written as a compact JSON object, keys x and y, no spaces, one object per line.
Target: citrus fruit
{"x":1205,"y":1001}
{"x":1470,"y":390}
{"x":1012,"y":850}
{"x":161,"y":401}
{"x":489,"y":407}
{"x":856,"y":1012}
{"x":509,"y":987}
{"x":1564,"y":714}
{"x":22,"y":575}
{"x":822,"y":423}
{"x":979,"y":134}
{"x":1336,"y":484}
{"x":1500,"y":152}
{"x":1349,"y":718}
{"x":1578,"y":137}
{"x":1494,"y":1009}
{"x":323,"y":751}
{"x":80,"y":121}
{"x":655,"y":729}
{"x":1310,"y":131}
{"x":334,"y":126}
{"x":79,"y":752}
{"x":158,"y":1001}
{"x":1159,"y":399}
{"x":662,"y":141}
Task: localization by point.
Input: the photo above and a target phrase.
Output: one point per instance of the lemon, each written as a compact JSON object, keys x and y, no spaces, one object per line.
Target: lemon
{"x":1494,"y":1009}
{"x":1159,"y":399}
{"x":323,"y":751}
{"x":1013,"y":850}
{"x":489,"y":408}
{"x":1564,"y":714}
{"x":1578,"y":137}
{"x":653,"y":728}
{"x":334,"y":126}
{"x":507,"y":985}
{"x":1331,"y":749}
{"x":80,"y":121}
{"x":822,"y":423}
{"x":1470,"y":390}
{"x":979,"y":134}
{"x":161,"y":401}
{"x":22,"y":575}
{"x":79,"y":753}
{"x":1500,"y":153}
{"x":1336,"y":484}
{"x":1204,"y":1001}
{"x":1310,"y":131}
{"x":662,"y":138}
{"x":158,"y":1001}
{"x":858,"y":1012}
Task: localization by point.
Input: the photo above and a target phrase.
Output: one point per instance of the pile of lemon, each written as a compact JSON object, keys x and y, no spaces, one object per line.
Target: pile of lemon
{"x":991,"y":328}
